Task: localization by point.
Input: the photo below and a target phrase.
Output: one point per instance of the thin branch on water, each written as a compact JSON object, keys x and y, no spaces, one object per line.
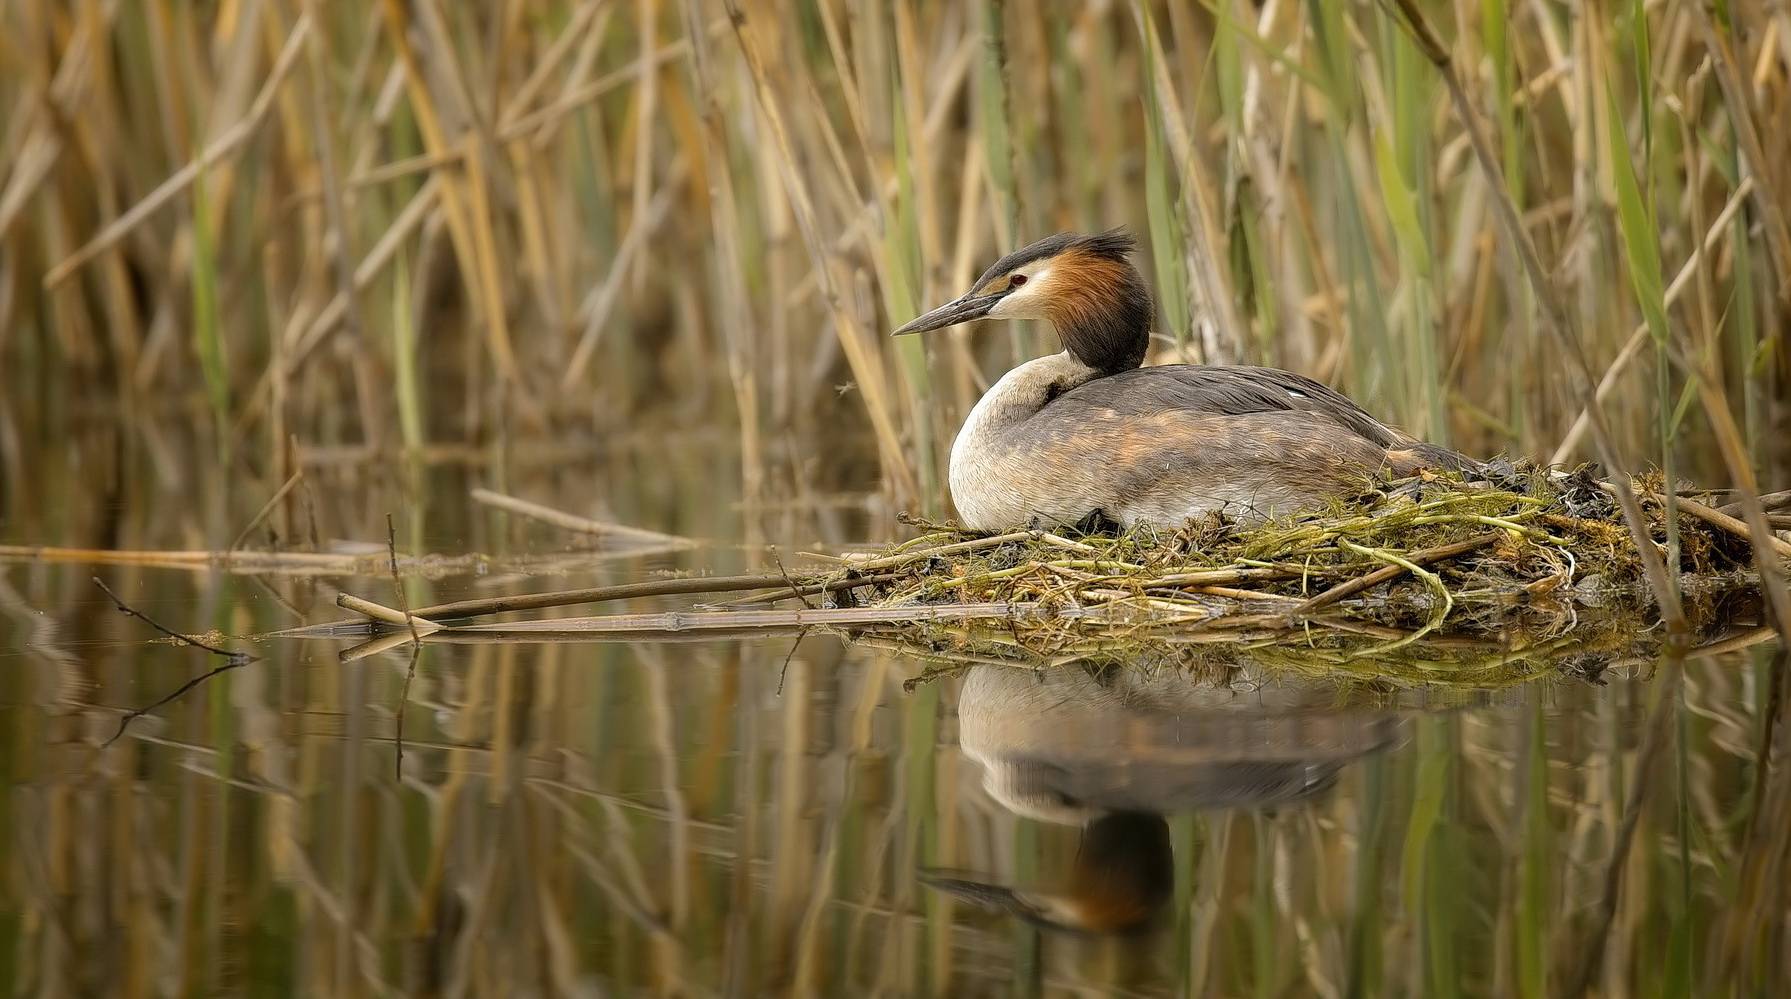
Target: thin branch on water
{"x":398,"y":584}
{"x":795,"y":588}
{"x":233,"y":660}
{"x":170,"y":632}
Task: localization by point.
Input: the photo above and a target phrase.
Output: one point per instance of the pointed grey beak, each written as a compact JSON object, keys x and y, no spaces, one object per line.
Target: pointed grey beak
{"x":950,"y":314}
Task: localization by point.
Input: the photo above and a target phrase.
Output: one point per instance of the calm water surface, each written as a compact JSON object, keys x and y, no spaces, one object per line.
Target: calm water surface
{"x":781,"y":815}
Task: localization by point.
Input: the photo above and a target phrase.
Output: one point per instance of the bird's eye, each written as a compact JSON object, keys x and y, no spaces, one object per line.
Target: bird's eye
{"x":1016,"y":281}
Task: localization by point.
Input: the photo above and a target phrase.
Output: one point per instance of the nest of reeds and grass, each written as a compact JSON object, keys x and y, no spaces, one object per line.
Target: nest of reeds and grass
{"x":1527,"y":562}
{"x":1536,"y":552}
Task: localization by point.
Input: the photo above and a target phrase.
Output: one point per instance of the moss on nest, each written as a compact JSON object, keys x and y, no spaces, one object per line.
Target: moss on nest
{"x":1530,"y":553}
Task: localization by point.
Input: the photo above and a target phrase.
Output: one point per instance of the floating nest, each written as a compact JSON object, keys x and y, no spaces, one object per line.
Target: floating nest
{"x":1502,"y":580}
{"x":1540,"y":553}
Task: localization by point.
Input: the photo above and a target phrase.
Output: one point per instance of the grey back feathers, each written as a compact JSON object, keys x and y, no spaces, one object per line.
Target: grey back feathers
{"x":1229,"y":390}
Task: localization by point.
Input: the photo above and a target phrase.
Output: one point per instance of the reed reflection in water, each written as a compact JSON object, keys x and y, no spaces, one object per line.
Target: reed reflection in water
{"x":744,"y":818}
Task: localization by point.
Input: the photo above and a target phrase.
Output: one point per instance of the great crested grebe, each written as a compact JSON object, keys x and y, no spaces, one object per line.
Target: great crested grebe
{"x":1088,"y":436}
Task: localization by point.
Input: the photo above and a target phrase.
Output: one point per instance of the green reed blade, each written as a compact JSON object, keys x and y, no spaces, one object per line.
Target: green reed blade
{"x":1164,"y":223}
{"x":902,"y":249}
{"x":1641,"y":235}
{"x":208,"y":331}
{"x":404,"y":361}
{"x":1636,"y":221}
{"x":994,"y":114}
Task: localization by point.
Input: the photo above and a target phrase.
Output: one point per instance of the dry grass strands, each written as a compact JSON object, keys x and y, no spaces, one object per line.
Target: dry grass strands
{"x":1428,"y":554}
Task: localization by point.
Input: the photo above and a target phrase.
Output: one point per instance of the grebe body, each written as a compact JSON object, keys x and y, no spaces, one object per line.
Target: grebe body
{"x":1088,"y":434}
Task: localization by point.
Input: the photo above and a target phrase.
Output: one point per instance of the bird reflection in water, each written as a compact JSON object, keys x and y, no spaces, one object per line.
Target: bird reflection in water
{"x":1123,"y":874}
{"x":1116,"y":750}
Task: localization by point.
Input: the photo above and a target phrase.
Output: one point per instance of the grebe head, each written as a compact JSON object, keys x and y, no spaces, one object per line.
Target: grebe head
{"x":1083,"y":285}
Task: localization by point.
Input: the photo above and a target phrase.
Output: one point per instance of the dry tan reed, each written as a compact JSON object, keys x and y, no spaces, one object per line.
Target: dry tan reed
{"x":475,"y":220}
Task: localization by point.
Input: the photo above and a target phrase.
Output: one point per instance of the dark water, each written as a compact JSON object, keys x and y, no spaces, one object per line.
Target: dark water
{"x":780,"y":815}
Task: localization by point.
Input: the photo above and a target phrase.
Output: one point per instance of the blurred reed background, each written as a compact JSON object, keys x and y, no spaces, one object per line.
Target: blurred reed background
{"x":243,"y":239}
{"x":422,"y":226}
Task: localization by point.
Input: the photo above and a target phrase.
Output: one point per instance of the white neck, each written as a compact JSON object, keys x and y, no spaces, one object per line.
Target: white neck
{"x":1023,"y":391}
{"x":1009,"y":403}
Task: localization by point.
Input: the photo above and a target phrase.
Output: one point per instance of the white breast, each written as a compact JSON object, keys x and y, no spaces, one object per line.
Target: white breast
{"x":989,"y":481}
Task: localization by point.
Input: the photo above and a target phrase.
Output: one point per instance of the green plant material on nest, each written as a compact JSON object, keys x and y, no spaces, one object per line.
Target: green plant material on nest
{"x":1420,"y":554}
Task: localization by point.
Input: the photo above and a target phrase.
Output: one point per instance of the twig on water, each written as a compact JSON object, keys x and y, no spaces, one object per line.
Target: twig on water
{"x":171,"y":633}
{"x":241,"y":562}
{"x":233,"y":660}
{"x":795,"y":588}
{"x":398,"y":584}
{"x":782,"y":585}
